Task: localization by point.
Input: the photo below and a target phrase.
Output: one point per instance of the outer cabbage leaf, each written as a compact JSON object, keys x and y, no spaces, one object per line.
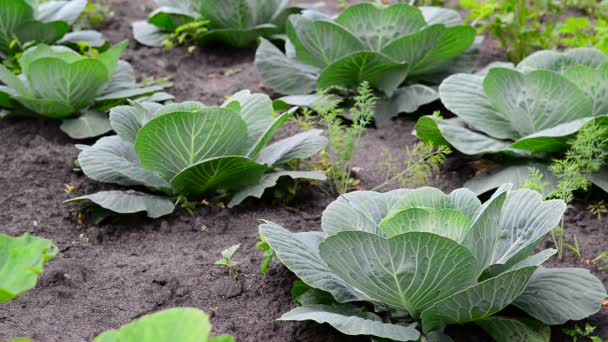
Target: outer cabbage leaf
{"x":90,"y":123}
{"x":66,"y":11}
{"x":240,"y":38}
{"x":21,"y":262}
{"x":557,"y":295}
{"x":511,"y":329}
{"x":170,"y":18}
{"x":82,"y":82}
{"x":148,"y":34}
{"x":129,"y":202}
{"x":515,"y":174}
{"x":90,"y":37}
{"x":463,"y":94}
{"x":560,"y":61}
{"x":113,"y":160}
{"x":285,"y":75}
{"x":478,"y":301}
{"x":300,"y":146}
{"x":127,"y":120}
{"x":406,"y":99}
{"x":441,"y":15}
{"x":39,"y":32}
{"x":299,"y":252}
{"x":591,"y":81}
{"x":257,"y":112}
{"x":513,"y":225}
{"x":431,"y":49}
{"x":268,"y":181}
{"x":600,"y":179}
{"x":351,"y":321}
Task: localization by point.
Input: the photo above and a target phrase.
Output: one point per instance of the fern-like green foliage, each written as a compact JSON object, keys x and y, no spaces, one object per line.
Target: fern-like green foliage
{"x":588,"y":153}
{"x":419,"y":164}
{"x":343,"y":139}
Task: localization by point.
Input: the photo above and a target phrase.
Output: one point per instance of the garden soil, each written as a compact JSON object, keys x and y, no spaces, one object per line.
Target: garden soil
{"x":109,"y":274}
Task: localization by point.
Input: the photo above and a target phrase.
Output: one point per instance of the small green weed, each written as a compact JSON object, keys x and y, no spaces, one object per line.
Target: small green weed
{"x":228,"y":262}
{"x":187,"y":34}
{"x":578,"y":332}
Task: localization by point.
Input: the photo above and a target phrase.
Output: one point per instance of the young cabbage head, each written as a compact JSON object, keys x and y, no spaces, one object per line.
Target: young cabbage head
{"x":26,"y":23}
{"x":397,"y":264}
{"x":59,"y":83}
{"x":399,"y":50}
{"x":190,"y":150}
{"x":237,"y":23}
{"x":527,"y":111}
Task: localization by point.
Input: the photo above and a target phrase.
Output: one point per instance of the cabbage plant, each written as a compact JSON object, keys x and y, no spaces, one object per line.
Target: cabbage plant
{"x":26,"y":22}
{"x":22,"y":260}
{"x":177,"y":324}
{"x":59,"y":83}
{"x":186,"y":150}
{"x":399,"y":49}
{"x":237,"y":23}
{"x":392,"y":265}
{"x":528,"y":111}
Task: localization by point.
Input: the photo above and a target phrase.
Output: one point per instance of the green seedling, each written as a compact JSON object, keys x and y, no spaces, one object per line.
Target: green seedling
{"x":228,"y":262}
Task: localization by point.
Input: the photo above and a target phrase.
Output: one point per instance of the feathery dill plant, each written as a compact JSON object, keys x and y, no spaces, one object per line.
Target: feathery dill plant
{"x":421,"y":161}
{"x":587,"y":154}
{"x":344,"y":139}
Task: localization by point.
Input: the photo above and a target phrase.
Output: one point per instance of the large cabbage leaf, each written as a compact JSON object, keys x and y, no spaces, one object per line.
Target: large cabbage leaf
{"x":388,"y":46}
{"x":21,"y":262}
{"x":190,"y":150}
{"x":440,"y":258}
{"x":177,"y":324}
